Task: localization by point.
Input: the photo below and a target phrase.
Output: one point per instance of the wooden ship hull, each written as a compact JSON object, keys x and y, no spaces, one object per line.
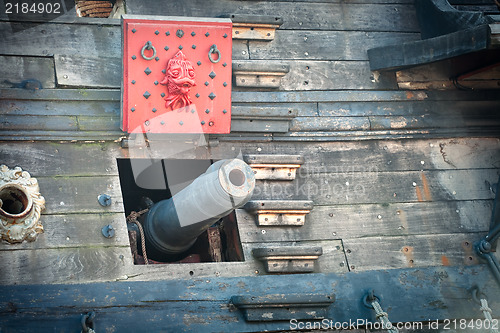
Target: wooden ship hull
{"x":374,"y":140}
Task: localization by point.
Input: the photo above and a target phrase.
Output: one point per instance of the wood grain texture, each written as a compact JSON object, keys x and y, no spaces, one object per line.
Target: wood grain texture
{"x":71,"y":265}
{"x":17,"y":69}
{"x":375,"y":220}
{"x":51,"y":38}
{"x":324,"y":45}
{"x":381,"y":187}
{"x":76,"y":230}
{"x":378,"y":156}
{"x":374,"y":253}
{"x":266,"y":96}
{"x":46,"y":159}
{"x":88,"y":71}
{"x":65,"y":195}
{"x":297,"y":15}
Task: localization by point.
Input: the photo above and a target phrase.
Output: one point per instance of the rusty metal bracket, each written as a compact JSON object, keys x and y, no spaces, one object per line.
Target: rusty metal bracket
{"x":283,"y":306}
{"x":288,"y":259}
{"x":274,"y":167}
{"x":258,"y":74}
{"x":279,"y":212}
{"x":255,"y":27}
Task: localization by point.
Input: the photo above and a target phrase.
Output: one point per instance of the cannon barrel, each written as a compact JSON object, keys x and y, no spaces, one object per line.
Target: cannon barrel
{"x":172,"y":226}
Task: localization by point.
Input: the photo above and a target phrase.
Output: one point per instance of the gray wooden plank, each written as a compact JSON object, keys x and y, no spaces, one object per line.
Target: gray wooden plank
{"x":88,"y":71}
{"x":264,"y":112}
{"x":244,"y":125}
{"x":266,"y":96}
{"x":409,"y":295}
{"x":15,"y":135}
{"x":18,"y":69}
{"x":296,"y":15}
{"x":375,"y":253}
{"x":47,"y":159}
{"x":374,"y":220}
{"x":59,"y":108}
{"x":378,"y":156}
{"x":393,"y":134}
{"x":397,"y":108}
{"x":334,"y":75}
{"x":454,"y":122}
{"x":59,"y":123}
{"x":71,"y":265}
{"x":65,"y":195}
{"x":331,"y":261}
{"x":53,"y":38}
{"x":93,"y":123}
{"x":80,"y":94}
{"x":75,"y":230}
{"x":41,"y":123}
{"x":318,"y":124}
{"x":324,"y":45}
{"x":383,"y":187}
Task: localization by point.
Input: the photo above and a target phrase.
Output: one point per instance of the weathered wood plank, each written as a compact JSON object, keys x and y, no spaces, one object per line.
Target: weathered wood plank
{"x":335,"y":75}
{"x":109,"y":123}
{"x":52,"y":38}
{"x":382,"y":187}
{"x":266,"y":96}
{"x":378,"y":156}
{"x":408,"y":294}
{"x":393,"y":134}
{"x":71,"y":265}
{"x":47,"y":159}
{"x":13,"y":135}
{"x":324,"y":45}
{"x":297,"y":15}
{"x":40,"y":123}
{"x":244,"y":125}
{"x":400,"y":56}
{"x":331,"y":261}
{"x":315,"y":124}
{"x":434,"y":121}
{"x":79,"y":194}
{"x":387,"y":220}
{"x":15,"y":70}
{"x":76,"y":230}
{"x":375,"y":253}
{"x":289,"y":110}
{"x":81,"y":94}
{"x":88,"y":71}
{"x":398,"y":108}
{"x":59,"y":108}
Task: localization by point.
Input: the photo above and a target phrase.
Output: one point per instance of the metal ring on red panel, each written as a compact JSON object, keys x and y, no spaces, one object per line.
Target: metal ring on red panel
{"x":148,"y":46}
{"x":213,"y":49}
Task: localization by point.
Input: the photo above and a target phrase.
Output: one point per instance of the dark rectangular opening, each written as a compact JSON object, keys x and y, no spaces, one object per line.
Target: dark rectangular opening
{"x":146,"y":181}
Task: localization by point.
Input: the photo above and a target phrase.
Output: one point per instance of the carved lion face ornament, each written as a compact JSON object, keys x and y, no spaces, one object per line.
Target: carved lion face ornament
{"x":179,"y":79}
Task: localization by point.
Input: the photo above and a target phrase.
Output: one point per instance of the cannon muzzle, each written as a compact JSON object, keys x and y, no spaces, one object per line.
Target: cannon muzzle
{"x":172,"y":226}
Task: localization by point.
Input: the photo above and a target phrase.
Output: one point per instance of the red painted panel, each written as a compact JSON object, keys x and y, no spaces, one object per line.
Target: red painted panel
{"x":179,"y":82}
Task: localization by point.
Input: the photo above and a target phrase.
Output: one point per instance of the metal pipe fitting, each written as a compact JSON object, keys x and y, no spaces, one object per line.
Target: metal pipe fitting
{"x":172,"y":226}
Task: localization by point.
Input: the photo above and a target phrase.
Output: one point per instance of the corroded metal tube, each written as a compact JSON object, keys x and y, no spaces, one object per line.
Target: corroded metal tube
{"x":172,"y":226}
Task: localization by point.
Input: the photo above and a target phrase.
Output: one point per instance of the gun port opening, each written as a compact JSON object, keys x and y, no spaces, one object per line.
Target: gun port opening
{"x":145,"y":182}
